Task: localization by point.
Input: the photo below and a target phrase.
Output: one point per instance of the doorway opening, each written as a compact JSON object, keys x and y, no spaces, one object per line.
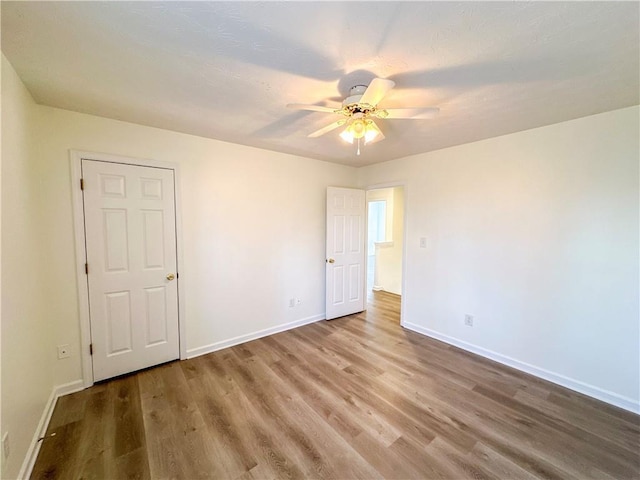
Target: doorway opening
{"x":385,"y":239}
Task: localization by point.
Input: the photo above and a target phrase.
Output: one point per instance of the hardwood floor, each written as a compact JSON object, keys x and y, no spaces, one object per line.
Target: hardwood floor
{"x":357,"y":397}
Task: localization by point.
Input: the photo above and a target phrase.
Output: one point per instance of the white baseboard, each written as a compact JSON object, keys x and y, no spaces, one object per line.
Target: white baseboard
{"x":76,"y":386}
{"x":570,"y":383}
{"x":196,"y":352}
{"x":576,"y":385}
{"x":34,"y":447}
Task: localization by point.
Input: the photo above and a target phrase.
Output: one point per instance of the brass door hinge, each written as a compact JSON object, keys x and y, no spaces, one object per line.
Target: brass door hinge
{"x":91,"y":349}
{"x":86,"y":269}
{"x":82,"y":184}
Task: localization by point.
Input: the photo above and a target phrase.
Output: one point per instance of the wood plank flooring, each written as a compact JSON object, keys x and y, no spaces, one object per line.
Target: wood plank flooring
{"x":357,"y":397}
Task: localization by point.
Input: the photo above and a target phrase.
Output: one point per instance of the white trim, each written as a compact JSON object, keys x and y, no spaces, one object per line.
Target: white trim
{"x":182,"y":323}
{"x":570,"y":383}
{"x":34,"y":446}
{"x":76,"y":386}
{"x":75,"y":159}
{"x":106,"y":157}
{"x":383,"y":244}
{"x":196,"y":352}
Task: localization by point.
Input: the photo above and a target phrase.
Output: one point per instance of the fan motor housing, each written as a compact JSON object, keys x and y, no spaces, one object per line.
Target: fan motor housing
{"x":355,"y":94}
{"x":351,"y":106}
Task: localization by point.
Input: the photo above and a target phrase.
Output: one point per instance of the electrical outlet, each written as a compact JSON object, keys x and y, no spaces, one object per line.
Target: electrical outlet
{"x":292,"y":302}
{"x":423,"y":242}
{"x":468,"y":320}
{"x":5,"y":446}
{"x":64,"y":351}
{"x":298,"y":301}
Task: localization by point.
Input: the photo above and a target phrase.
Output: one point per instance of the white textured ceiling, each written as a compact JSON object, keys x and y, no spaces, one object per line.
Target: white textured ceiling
{"x":226,"y":70}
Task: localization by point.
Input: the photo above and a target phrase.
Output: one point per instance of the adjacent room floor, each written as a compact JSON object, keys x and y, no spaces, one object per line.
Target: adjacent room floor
{"x":356,"y":397}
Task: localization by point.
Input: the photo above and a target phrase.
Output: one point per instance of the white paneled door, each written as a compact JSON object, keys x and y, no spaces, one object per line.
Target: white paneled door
{"x":345,"y":251}
{"x":131,"y":258}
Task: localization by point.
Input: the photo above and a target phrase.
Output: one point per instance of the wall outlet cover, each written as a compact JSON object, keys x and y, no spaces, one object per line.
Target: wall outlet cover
{"x":64,"y":351}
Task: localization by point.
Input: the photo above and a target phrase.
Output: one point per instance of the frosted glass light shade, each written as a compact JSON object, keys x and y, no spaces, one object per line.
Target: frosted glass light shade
{"x":360,"y":128}
{"x":346,"y":135}
{"x":372,"y":131}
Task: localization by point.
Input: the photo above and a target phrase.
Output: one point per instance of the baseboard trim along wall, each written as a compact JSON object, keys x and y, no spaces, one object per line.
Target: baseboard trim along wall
{"x":576,"y":385}
{"x":196,"y":352}
{"x":76,"y":386}
{"x":34,"y":447}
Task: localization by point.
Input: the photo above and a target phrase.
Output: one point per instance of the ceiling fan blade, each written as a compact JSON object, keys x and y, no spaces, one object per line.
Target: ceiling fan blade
{"x":313,"y":108}
{"x":376,"y":91}
{"x":410,"y":113}
{"x":327,"y":129}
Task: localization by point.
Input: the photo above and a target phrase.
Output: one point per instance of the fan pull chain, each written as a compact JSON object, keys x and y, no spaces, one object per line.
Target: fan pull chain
{"x":358,"y":152}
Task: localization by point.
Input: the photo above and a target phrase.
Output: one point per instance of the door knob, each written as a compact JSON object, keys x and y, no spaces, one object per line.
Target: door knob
{"x":330,"y":260}
{"x":171,"y":276}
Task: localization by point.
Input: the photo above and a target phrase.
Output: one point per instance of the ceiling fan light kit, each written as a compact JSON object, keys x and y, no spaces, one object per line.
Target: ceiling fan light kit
{"x":360,"y":108}
{"x":359,"y":128}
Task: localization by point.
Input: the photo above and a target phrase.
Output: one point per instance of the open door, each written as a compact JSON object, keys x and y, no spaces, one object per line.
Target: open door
{"x":345,"y":259}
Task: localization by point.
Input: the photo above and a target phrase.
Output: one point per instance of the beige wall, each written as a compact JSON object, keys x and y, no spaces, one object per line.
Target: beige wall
{"x":535,"y":234}
{"x":253,"y":227}
{"x":253,"y":237}
{"x":391,"y":258}
{"x":27,"y":349}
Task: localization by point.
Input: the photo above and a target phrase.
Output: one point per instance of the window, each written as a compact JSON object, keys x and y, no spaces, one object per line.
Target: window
{"x":377,"y":224}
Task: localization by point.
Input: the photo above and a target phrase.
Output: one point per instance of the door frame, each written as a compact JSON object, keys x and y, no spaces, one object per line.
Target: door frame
{"x":75,"y":160}
{"x":403,"y":184}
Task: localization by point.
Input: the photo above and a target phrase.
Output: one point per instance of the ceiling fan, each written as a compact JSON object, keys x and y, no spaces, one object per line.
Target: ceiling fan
{"x":361,"y":108}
